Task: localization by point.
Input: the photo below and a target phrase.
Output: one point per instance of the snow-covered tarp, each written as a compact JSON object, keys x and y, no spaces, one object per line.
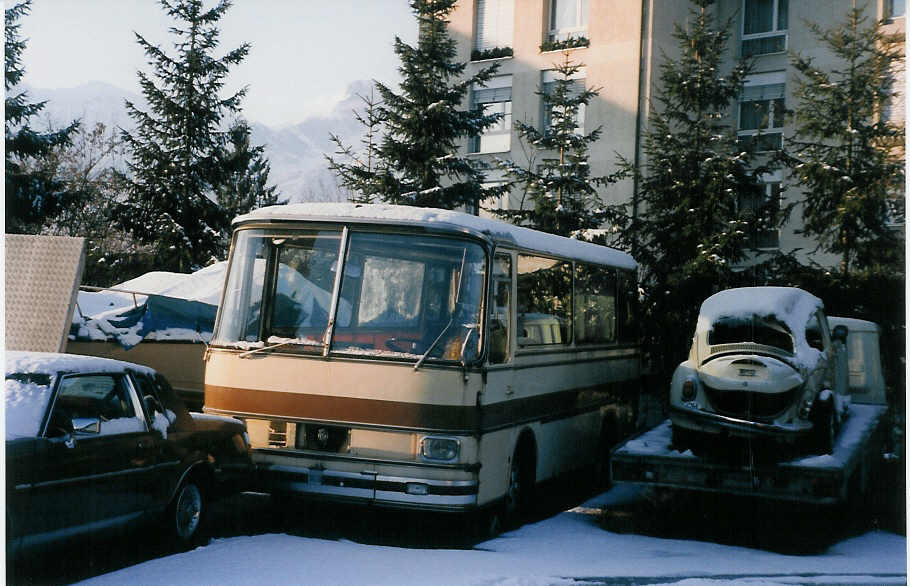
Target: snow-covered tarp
{"x":409,"y":215}
{"x":158,"y":305}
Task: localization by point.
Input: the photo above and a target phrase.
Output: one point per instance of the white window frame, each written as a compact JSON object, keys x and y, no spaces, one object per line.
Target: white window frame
{"x":496,"y":139}
{"x":581,"y":25}
{"x":774,"y":32}
{"x":550,"y":76}
{"x":759,"y":80}
{"x":769,"y":180}
{"x":496,"y":17}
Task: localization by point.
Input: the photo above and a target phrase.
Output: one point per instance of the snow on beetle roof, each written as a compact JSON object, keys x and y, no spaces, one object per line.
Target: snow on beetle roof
{"x":783,"y":302}
{"x":406,"y":215}
{"x":53,"y":363}
{"x":789,"y":305}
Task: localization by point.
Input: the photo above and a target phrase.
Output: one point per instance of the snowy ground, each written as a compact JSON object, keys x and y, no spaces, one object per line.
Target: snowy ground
{"x":569,"y":548}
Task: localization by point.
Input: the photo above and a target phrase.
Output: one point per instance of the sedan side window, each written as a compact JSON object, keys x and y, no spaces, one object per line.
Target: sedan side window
{"x":97,"y":404}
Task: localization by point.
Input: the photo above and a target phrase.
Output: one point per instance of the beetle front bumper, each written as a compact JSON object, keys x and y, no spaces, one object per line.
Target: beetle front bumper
{"x":715,"y":423}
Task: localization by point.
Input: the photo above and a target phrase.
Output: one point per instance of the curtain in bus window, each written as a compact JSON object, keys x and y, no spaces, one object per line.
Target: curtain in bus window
{"x":595,"y":304}
{"x":544,"y":301}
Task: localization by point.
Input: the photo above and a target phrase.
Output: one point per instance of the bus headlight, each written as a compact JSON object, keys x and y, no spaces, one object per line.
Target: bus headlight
{"x":440,"y":449}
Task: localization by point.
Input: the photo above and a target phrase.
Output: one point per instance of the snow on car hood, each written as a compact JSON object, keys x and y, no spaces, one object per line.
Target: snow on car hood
{"x":789,"y":305}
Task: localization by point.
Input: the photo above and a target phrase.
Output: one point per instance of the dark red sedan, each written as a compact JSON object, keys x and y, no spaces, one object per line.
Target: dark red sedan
{"x":93,"y":443}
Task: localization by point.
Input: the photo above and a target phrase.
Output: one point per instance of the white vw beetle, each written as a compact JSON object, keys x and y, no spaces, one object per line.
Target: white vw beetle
{"x":762,"y":364}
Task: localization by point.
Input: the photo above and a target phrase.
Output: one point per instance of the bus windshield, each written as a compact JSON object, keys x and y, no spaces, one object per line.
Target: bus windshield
{"x":401,"y":296}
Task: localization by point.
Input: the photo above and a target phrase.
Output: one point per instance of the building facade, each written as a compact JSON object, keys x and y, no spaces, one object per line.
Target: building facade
{"x":621,"y":46}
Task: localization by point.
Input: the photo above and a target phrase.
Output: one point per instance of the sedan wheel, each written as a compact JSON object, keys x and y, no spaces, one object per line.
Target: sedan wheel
{"x":187,"y":511}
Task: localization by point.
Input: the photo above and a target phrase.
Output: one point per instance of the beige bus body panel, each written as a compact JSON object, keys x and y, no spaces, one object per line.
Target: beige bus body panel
{"x":181,"y":363}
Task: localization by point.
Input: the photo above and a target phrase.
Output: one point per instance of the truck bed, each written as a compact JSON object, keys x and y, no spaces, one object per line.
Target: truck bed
{"x":649,"y":460}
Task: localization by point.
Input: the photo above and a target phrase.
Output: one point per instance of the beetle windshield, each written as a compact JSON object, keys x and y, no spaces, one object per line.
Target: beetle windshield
{"x":764,"y":330}
{"x":400,"y":295}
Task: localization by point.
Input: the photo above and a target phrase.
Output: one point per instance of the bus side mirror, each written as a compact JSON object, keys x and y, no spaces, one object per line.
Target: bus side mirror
{"x":840,"y":333}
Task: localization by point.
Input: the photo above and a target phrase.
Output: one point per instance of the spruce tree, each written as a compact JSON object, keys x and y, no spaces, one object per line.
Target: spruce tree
{"x":244,"y":185}
{"x":33,"y":195}
{"x":845,"y":155}
{"x":562,"y":194}
{"x":361,"y":170}
{"x":689,"y":231}
{"x":423,"y":125}
{"x":175,"y":147}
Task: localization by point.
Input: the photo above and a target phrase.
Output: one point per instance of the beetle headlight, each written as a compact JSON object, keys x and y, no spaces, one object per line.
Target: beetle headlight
{"x":689,"y":390}
{"x":440,"y":449}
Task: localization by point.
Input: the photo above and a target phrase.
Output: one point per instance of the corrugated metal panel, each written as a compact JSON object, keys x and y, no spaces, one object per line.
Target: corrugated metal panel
{"x":42,"y":279}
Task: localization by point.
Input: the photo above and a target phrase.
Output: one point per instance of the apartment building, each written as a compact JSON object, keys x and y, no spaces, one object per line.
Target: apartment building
{"x":621,"y":44}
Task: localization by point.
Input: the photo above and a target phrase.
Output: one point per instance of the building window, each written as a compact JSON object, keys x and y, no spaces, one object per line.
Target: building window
{"x":761,"y":212}
{"x":761,"y":112}
{"x":568,"y":19}
{"x":896,"y":8}
{"x":764,"y":27}
{"x":548,"y":86}
{"x":494,"y":98}
{"x":494,"y":24}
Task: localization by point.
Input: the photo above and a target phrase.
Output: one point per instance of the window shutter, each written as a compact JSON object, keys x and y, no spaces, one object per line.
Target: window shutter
{"x":495,"y":24}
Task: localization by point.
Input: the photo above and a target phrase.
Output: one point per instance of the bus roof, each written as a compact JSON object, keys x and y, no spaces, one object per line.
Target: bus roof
{"x":500,"y":232}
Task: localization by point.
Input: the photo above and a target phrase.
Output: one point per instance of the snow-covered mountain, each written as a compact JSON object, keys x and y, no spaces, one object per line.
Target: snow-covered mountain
{"x":296,"y":152}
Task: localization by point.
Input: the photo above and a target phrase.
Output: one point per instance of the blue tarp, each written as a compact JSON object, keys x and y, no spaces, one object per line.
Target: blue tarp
{"x":156,"y":314}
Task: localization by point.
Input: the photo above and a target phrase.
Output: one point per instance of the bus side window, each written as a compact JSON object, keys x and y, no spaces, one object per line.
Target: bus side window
{"x":501,"y":310}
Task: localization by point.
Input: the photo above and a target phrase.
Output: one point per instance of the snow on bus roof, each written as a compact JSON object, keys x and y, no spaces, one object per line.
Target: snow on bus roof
{"x":53,"y":363}
{"x":407,"y":215}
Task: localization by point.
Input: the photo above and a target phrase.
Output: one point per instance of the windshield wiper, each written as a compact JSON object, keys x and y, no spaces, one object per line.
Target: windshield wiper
{"x":464,"y":254}
{"x":278,"y":345}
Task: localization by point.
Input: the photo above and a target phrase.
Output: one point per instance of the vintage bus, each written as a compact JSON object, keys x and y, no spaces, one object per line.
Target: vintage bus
{"x":421,"y":358}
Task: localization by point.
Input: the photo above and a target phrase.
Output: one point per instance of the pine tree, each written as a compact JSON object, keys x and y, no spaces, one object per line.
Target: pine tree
{"x":244,"y":186}
{"x":362,"y":174}
{"x":562,"y":193}
{"x":689,"y":232}
{"x":175,"y":147}
{"x":847,"y":157}
{"x":33,"y":196}
{"x":423,"y":125}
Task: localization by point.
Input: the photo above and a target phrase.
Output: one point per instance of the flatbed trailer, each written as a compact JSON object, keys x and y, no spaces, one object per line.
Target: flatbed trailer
{"x":649,"y":459}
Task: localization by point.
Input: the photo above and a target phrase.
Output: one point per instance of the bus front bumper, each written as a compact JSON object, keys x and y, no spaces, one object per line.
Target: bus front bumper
{"x":368,"y":487}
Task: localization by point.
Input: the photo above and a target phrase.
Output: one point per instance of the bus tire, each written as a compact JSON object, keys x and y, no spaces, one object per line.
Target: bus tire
{"x":519,"y":497}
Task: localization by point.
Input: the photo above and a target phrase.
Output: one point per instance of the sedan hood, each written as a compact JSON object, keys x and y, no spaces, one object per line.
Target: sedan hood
{"x":757,"y":374}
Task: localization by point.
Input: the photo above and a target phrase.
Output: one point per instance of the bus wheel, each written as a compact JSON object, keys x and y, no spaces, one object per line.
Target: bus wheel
{"x":519,"y":493}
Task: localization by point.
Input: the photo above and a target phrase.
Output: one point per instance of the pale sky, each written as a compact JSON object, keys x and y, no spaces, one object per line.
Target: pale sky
{"x":304,"y":52}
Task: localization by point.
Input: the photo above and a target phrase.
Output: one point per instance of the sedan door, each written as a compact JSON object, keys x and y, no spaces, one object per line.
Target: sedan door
{"x":88,"y":478}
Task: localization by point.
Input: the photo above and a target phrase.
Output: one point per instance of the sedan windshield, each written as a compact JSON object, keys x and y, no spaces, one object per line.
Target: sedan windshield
{"x":400,"y":296}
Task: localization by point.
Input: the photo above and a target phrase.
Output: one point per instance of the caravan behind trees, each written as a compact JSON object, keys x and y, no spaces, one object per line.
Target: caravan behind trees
{"x":421,"y":358}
